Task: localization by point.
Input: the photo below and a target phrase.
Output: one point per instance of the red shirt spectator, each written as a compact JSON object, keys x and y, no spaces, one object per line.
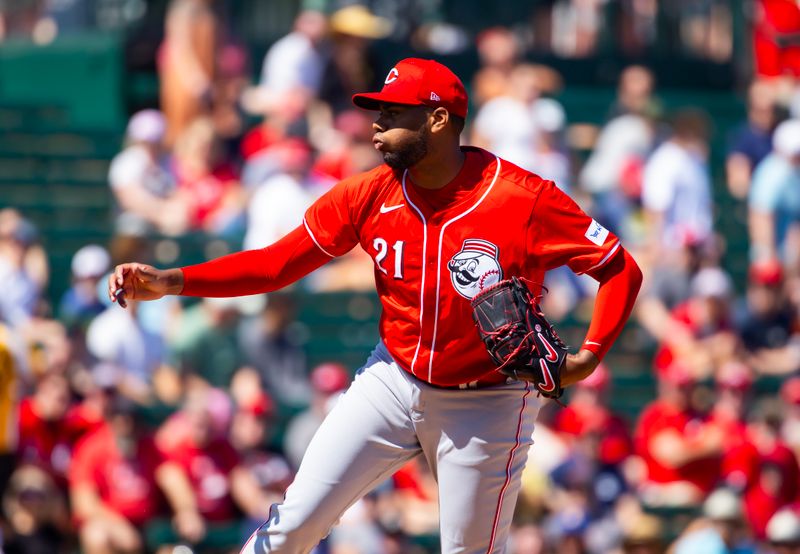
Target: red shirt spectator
{"x":586,"y":413}
{"x":207,"y":182}
{"x":207,"y":192}
{"x":48,"y":429}
{"x":740,"y":459}
{"x":659,"y":417}
{"x":776,"y":482}
{"x":125,"y":482}
{"x":193,"y":440}
{"x":776,"y":46}
{"x":677,"y":444}
{"x":258,"y":140}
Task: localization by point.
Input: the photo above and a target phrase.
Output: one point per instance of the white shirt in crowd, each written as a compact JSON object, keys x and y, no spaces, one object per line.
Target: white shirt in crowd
{"x":133,"y":167}
{"x":277,"y":207}
{"x":292,"y":62}
{"x":116,"y":337}
{"x":677,"y":185}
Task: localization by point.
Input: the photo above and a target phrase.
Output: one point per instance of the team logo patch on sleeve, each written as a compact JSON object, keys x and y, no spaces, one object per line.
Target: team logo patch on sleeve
{"x":475,"y":267}
{"x":596,"y":233}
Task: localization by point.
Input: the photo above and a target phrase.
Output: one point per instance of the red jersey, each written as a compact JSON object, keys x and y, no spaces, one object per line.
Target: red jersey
{"x":659,"y":416}
{"x":208,"y":470}
{"x":48,"y":444}
{"x":434,"y":250}
{"x":126,"y":484}
{"x":578,"y":421}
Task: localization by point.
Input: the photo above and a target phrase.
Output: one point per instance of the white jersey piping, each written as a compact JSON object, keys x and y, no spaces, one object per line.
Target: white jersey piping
{"x":305,"y":224}
{"x":439,"y":261}
{"x":424,"y":263}
{"x":605,"y":258}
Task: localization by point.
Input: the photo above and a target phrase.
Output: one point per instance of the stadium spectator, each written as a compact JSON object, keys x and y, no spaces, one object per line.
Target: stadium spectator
{"x":768,"y":322}
{"x":201,"y":475}
{"x":699,"y":334}
{"x":774,"y":201}
{"x":119,"y":338}
{"x":721,"y":529}
{"x":671,"y":285}
{"x":280,"y":202}
{"x":676,"y":188}
{"x":9,"y":387}
{"x":21,"y":284}
{"x":636,"y":94}
{"x":187,"y":63}
{"x":292,"y":66}
{"x":143,"y":186}
{"x":783,"y":532}
{"x":550,"y":156}
{"x":414,"y":498}
{"x":775,"y":44}
{"x":499,"y":51}
{"x":612,"y":174}
{"x":350,"y":67}
{"x":680,"y":450}
{"x":47,"y":433}
{"x":789,"y":394}
{"x":205,"y":345}
{"x":506,"y":124}
{"x":751,"y":141}
{"x":81,"y":303}
{"x":734,"y":391}
{"x":777,"y":480}
{"x":588,"y":412}
{"x":113,"y":491}
{"x":269,"y":471}
{"x":348,"y":148}
{"x":36,"y":514}
{"x":272,"y":343}
{"x":328,"y":380}
{"x":208,"y":181}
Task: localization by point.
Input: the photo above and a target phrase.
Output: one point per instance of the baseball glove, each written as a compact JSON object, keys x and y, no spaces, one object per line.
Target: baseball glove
{"x":518,"y":337}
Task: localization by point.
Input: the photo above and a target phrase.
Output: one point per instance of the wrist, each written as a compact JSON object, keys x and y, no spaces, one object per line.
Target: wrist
{"x":173,"y":279}
{"x":578,"y":366}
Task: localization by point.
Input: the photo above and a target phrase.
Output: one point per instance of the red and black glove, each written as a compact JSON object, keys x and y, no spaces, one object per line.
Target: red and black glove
{"x":518,"y":337}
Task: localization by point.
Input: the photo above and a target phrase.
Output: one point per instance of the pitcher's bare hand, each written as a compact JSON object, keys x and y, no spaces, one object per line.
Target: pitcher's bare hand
{"x":134,"y":281}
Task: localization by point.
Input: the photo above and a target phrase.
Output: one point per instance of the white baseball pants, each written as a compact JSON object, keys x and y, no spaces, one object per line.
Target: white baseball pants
{"x":475,"y":440}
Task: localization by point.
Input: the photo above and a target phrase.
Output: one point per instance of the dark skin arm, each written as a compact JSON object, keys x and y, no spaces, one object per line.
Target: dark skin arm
{"x":578,"y":366}
{"x":143,"y":282}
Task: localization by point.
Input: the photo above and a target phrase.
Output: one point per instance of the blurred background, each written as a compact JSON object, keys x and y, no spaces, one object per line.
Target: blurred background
{"x":174,"y":131}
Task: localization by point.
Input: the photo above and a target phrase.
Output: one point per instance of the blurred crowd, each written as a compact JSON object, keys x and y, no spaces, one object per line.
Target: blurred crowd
{"x":176,"y":424}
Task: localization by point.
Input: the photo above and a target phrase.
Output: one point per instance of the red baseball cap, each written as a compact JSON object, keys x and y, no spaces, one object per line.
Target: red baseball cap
{"x":418,"y":82}
{"x":330,"y":377}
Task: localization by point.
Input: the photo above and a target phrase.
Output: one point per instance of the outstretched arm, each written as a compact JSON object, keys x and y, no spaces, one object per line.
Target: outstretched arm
{"x":249,"y":272}
{"x":620,"y":281}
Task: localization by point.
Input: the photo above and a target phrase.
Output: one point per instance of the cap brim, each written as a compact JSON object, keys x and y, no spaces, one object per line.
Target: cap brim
{"x":373,"y":100}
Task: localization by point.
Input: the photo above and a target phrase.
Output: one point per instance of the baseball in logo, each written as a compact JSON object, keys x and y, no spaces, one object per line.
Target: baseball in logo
{"x":475,"y":267}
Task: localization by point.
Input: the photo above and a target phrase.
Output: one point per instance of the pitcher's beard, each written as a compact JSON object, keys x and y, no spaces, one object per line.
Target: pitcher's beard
{"x":410,"y":154}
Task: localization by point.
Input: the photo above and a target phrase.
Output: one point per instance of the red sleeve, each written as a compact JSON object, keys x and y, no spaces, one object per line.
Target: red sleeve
{"x":562,"y":234}
{"x":620,"y":280}
{"x":255,"y":271}
{"x":81,"y":468}
{"x":329,"y":220}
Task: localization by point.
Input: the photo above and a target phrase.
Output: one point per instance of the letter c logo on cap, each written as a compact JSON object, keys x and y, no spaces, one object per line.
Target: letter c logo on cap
{"x":392,"y":76}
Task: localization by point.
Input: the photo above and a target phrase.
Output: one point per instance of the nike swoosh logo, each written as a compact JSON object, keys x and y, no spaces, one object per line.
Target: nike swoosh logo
{"x":386,"y":209}
{"x":592,"y":342}
{"x":552,"y":355}
{"x":549,"y":385}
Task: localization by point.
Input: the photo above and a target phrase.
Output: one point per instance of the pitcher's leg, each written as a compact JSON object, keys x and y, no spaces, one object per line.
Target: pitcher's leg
{"x":480,"y":455}
{"x":365,"y":438}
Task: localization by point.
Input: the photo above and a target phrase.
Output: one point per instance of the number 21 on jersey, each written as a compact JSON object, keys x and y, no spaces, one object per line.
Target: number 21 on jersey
{"x":382,"y":251}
